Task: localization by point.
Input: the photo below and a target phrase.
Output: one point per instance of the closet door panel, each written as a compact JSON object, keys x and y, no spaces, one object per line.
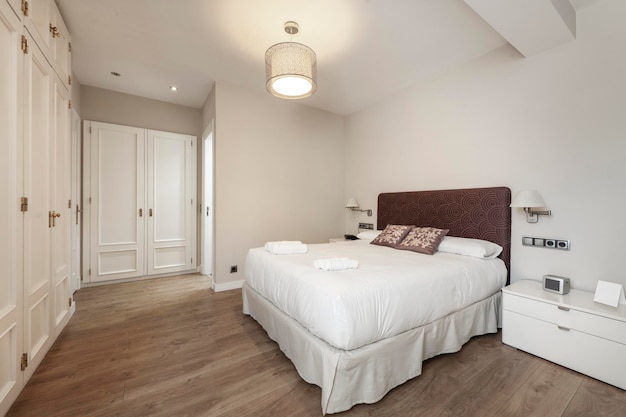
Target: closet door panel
{"x":61,"y":49}
{"x":38,"y":21}
{"x":11,"y":301}
{"x":37,"y":220}
{"x":118,"y":194}
{"x":16,"y":5}
{"x":170,"y":202}
{"x":61,"y":205}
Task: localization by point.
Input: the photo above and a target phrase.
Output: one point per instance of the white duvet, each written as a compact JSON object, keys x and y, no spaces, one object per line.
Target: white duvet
{"x":390,"y":292}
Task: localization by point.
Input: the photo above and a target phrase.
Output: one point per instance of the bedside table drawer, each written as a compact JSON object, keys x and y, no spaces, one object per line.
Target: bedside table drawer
{"x":594,"y":356}
{"x":566,"y":317}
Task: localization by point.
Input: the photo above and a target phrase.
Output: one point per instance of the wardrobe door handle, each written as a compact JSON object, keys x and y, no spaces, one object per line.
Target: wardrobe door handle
{"x":140,"y":212}
{"x":150,"y":212}
{"x":52,"y":215}
{"x":562,"y":308}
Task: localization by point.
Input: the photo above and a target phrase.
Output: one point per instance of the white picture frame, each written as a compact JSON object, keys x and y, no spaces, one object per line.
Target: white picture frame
{"x":609,"y":293}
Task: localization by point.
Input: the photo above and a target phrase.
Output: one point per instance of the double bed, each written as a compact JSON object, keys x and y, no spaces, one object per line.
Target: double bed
{"x":358,"y":333}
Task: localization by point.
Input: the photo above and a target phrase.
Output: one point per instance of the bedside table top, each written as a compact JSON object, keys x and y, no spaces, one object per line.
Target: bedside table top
{"x":575,"y":299}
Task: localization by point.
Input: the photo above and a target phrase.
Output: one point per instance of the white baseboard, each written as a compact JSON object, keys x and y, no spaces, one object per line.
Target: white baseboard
{"x":227,"y":286}
{"x":141,"y":278}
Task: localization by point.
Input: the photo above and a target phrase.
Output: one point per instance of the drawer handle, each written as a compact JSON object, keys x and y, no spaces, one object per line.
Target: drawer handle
{"x":562,"y":308}
{"x":563,"y":328}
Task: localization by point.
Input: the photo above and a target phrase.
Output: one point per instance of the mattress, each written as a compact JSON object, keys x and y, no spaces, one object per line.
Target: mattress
{"x":391,"y":291}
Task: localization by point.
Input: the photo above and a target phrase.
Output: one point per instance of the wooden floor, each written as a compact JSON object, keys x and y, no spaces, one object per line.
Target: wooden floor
{"x":171,"y":347}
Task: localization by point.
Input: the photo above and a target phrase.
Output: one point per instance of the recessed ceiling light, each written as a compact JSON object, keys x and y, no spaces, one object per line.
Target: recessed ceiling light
{"x":173,"y":88}
{"x":116,"y":74}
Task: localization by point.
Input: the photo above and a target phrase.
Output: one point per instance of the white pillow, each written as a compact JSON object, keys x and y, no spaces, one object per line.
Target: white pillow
{"x":368,"y":235}
{"x":470,"y":247}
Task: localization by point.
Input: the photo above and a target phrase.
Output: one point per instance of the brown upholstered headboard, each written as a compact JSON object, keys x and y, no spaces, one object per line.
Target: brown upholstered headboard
{"x":479,"y":213}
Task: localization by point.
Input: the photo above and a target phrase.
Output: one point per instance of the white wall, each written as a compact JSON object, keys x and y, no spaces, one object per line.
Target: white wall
{"x":279,"y":174}
{"x":75,"y":91}
{"x":555,"y":122}
{"x":108,"y":106}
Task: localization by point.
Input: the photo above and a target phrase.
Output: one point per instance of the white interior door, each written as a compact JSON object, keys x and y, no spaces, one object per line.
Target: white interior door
{"x":207,"y":203}
{"x":11,"y":220}
{"x":37,"y":221}
{"x":117,"y":195}
{"x":171,"y":192}
{"x":76,"y":202}
{"x":60,"y":178}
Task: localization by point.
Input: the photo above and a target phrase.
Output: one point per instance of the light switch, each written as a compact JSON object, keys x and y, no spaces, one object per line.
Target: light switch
{"x":547,"y":243}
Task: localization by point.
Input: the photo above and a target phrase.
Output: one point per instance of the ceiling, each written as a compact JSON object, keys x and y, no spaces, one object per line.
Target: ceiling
{"x":366,"y":49}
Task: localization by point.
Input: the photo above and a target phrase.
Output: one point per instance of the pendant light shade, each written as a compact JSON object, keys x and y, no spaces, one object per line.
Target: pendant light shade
{"x":290,"y":68}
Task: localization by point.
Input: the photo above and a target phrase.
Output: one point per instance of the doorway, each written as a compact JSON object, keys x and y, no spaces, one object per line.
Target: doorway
{"x":76,"y":174}
{"x":207,"y":202}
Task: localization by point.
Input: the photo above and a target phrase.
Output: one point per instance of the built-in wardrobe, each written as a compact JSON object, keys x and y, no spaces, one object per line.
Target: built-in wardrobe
{"x":139,"y":199}
{"x":36,"y":206}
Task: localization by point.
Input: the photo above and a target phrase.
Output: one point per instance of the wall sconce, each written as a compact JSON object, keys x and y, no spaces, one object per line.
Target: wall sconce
{"x":529,"y":199}
{"x":353,"y":205}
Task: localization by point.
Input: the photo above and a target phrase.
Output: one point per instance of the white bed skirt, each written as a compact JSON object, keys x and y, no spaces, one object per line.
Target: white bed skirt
{"x":366,"y":374}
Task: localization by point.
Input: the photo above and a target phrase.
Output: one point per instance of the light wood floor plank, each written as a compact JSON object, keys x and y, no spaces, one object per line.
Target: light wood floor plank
{"x":170,"y":347}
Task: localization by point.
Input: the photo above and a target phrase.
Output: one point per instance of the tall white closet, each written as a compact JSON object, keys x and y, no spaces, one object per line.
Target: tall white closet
{"x":139,"y":203}
{"x":35,"y":183}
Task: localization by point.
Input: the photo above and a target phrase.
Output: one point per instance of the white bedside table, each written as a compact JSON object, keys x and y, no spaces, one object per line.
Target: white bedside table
{"x":571,"y":330}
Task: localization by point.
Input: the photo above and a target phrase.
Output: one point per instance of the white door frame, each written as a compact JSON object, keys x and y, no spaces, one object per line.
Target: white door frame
{"x":76,"y":201}
{"x":207,"y":212}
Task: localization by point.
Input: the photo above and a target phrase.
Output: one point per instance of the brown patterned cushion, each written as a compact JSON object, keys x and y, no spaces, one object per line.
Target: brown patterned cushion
{"x":392,"y":235}
{"x":423,"y":240}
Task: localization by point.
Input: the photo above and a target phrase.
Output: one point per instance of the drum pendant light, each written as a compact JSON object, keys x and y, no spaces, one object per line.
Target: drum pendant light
{"x":291,"y":68}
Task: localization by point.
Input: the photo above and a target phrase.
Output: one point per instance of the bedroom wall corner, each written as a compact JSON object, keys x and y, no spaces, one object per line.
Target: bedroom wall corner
{"x":279,"y":175}
{"x":75,"y":91}
{"x":553,"y":122}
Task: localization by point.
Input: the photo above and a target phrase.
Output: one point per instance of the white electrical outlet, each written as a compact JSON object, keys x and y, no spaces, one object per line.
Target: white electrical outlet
{"x":550,"y":243}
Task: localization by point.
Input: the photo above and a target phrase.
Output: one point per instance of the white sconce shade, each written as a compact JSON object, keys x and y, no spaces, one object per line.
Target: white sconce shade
{"x":528,"y":199}
{"x":353,"y":205}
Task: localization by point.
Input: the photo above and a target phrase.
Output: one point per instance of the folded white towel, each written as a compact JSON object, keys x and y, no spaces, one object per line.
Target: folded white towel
{"x":336,"y":264}
{"x":286,"y":247}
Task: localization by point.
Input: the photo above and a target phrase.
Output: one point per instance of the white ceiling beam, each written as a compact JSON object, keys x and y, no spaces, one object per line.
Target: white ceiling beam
{"x":530,"y":26}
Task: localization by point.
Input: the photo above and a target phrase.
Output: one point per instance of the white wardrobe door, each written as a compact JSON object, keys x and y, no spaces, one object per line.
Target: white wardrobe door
{"x":16,"y":5}
{"x":11,"y":302}
{"x":61,"y":255}
{"x":171,"y":186}
{"x":117,"y":196}
{"x":37,"y":132}
{"x":38,"y":21}
{"x":61,"y":46}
